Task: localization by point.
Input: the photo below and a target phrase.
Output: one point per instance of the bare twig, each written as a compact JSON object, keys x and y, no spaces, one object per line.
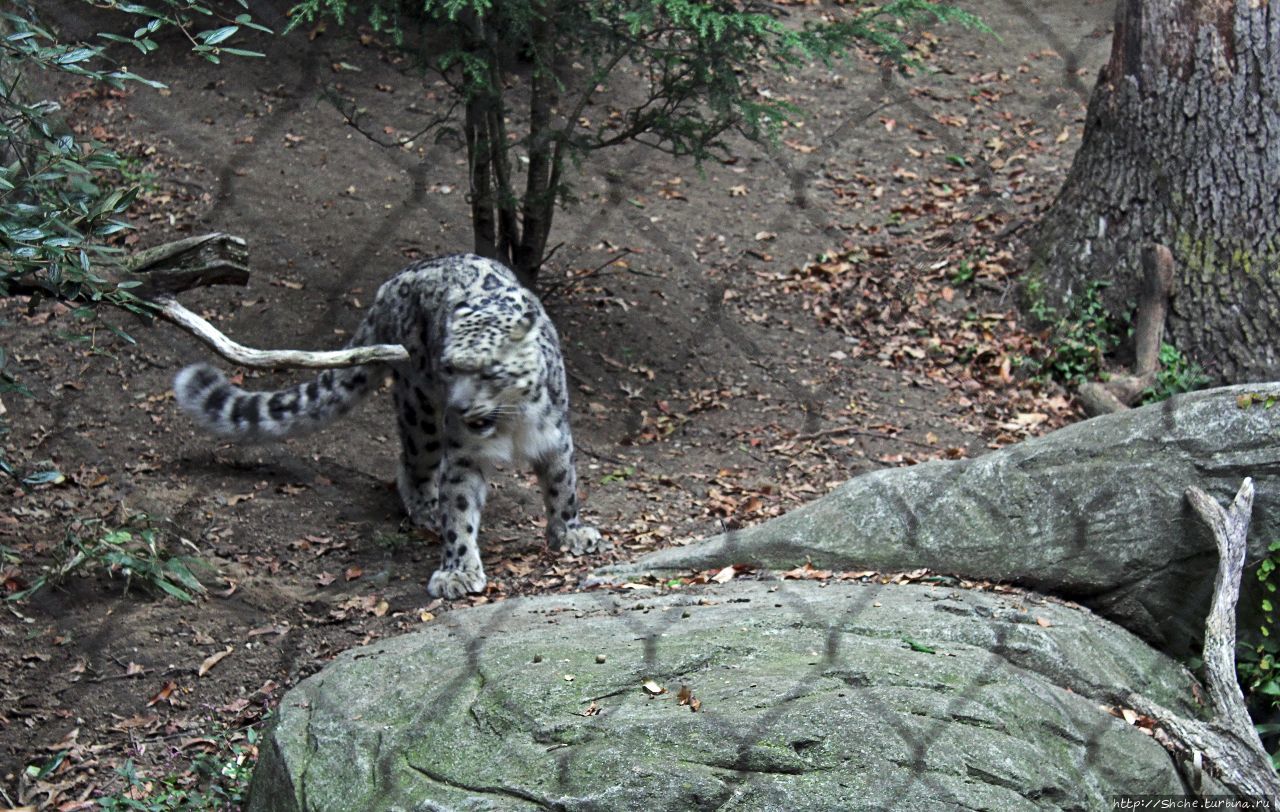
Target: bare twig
{"x":572,"y":284}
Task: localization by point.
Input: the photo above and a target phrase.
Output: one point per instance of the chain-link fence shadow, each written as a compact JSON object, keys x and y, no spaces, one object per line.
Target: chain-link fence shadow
{"x":845,"y":139}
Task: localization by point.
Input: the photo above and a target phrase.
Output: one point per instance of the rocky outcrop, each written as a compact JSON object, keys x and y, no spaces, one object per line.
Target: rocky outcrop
{"x":807,"y":696}
{"x":1094,"y":512}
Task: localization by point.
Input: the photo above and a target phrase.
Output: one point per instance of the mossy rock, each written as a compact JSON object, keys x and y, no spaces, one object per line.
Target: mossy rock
{"x":809,"y":696}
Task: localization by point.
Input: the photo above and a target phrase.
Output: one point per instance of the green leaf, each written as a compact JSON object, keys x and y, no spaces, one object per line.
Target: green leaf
{"x":76,"y":55}
{"x":175,"y":590}
{"x":54,"y":477}
{"x":217,"y":35}
{"x":241,"y":52}
{"x":247,"y":22}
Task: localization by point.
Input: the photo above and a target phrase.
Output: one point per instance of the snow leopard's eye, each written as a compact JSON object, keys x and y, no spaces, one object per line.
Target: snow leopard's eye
{"x":483,"y":423}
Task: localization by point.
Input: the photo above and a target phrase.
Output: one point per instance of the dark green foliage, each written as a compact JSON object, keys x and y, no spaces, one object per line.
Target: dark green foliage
{"x":1177,"y":374}
{"x":1079,"y":339}
{"x":62,"y":198}
{"x":1258,"y":663}
{"x":136,"y":551}
{"x":689,"y":68}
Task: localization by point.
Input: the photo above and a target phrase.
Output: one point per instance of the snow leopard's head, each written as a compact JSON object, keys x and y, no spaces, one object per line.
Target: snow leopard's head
{"x":492,"y":361}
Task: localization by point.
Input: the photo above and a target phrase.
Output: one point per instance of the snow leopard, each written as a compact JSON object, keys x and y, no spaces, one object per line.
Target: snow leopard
{"x":484,"y":386}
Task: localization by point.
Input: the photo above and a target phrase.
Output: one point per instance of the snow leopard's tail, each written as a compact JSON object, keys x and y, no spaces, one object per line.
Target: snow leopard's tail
{"x":223,"y":408}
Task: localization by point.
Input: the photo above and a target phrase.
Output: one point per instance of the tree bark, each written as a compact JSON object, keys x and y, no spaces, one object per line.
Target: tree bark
{"x":1182,"y":147}
{"x":484,"y":225}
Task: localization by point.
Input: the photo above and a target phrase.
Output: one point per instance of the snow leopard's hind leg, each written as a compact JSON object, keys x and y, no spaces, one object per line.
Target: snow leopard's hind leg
{"x":418,"y":413}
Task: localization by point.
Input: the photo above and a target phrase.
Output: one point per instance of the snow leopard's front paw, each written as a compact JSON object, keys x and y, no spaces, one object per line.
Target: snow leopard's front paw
{"x":456,"y":583}
{"x":583,"y":539}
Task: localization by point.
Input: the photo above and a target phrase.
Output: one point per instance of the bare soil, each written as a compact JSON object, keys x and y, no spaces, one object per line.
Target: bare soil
{"x":770,"y":326}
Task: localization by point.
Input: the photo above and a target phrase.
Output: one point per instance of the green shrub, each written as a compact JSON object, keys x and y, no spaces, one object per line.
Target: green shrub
{"x":1177,"y":374}
{"x":1256,"y":663}
{"x":135,"y":552}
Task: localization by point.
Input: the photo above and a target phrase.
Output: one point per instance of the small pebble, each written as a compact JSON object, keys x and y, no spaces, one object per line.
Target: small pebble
{"x":537,"y":658}
{"x":601,"y":658}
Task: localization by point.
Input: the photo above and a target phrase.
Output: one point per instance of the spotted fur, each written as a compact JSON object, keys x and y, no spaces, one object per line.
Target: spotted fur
{"x":484,"y":385}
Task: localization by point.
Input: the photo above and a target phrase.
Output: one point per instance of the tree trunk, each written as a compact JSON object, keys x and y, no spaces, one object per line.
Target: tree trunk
{"x":484,"y":225}
{"x":1181,"y":148}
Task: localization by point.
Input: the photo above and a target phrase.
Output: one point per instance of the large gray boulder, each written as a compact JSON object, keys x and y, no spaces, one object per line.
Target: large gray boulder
{"x":1094,"y":512}
{"x":844,"y":696}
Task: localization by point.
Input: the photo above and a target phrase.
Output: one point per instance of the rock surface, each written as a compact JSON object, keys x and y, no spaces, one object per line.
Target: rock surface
{"x":1094,"y":512}
{"x":848,"y":696}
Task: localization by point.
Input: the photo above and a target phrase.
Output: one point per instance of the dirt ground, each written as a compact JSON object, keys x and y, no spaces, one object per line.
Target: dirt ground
{"x":770,"y":326}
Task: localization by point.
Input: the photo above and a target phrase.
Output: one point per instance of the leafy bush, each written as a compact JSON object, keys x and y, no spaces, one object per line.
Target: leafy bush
{"x":63,"y":198}
{"x":1258,"y":663}
{"x":1177,"y":374}
{"x":1079,"y":340}
{"x":135,"y":552}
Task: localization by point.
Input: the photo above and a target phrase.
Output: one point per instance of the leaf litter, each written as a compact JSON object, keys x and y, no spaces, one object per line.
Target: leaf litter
{"x":897,"y":345}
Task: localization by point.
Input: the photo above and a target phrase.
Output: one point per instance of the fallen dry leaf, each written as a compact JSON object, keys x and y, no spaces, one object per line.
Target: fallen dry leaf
{"x":686,"y":697}
{"x":725,"y":575}
{"x":212,"y":660}
{"x":163,"y":694}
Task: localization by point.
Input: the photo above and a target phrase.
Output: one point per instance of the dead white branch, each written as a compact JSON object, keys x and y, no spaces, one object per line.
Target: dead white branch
{"x":1228,"y":743}
{"x":1230,"y":527}
{"x":276,"y":359}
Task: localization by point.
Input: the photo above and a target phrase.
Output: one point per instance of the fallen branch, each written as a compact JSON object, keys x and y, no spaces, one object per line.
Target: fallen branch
{"x":216,"y":259}
{"x":209,"y":259}
{"x":275,"y":359}
{"x":220,"y":259}
{"x":1228,"y":743}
